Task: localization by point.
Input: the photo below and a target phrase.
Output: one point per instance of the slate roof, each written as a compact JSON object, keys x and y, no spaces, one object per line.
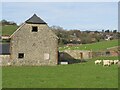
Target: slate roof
{"x":35,"y":20}
{"x":4,"y":49}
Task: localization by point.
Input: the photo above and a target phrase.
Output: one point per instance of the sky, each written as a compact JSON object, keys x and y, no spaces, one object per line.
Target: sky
{"x":69,"y":15}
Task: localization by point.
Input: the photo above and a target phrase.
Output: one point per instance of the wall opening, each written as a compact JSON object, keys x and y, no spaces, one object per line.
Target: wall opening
{"x":34,"y":29}
{"x":20,"y":55}
{"x":107,"y":52}
{"x":81,"y":55}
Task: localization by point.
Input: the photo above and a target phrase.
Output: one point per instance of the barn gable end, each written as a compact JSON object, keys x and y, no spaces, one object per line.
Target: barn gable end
{"x":34,"y":44}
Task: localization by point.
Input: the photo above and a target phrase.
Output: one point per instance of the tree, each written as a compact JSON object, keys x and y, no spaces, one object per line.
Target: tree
{"x":114,"y":31}
{"x":5,"y":22}
{"x":107,"y":31}
{"x":103,"y":30}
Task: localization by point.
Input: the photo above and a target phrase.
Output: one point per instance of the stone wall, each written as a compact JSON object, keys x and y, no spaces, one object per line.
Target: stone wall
{"x":4,"y":60}
{"x":105,"y":53}
{"x":39,"y":48}
{"x":75,"y":54}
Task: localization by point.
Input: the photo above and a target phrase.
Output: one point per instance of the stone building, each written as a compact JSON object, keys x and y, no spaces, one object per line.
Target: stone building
{"x":72,"y":55}
{"x":33,"y":43}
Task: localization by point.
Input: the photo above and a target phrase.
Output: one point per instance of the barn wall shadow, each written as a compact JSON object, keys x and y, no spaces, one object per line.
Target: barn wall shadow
{"x":65,"y":57}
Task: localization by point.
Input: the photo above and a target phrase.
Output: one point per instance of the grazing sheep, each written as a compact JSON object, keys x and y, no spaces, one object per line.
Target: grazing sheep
{"x":106,"y":63}
{"x":119,"y":64}
{"x":9,"y":64}
{"x":116,"y":61}
{"x":68,"y":48}
{"x":98,"y":61}
{"x":111,"y":62}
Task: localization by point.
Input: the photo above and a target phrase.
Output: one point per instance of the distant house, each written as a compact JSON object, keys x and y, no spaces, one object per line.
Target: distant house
{"x":33,"y":43}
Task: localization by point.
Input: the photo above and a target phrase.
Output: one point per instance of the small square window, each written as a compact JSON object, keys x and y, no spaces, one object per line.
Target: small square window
{"x":34,"y":29}
{"x":20,"y":55}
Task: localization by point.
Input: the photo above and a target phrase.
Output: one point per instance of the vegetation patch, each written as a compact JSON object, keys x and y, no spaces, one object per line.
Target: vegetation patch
{"x":8,"y":29}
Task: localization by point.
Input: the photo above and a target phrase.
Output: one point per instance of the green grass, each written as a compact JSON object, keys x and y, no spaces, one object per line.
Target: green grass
{"x":94,"y":46}
{"x":8,"y":30}
{"x":105,"y":58}
{"x":84,"y":75}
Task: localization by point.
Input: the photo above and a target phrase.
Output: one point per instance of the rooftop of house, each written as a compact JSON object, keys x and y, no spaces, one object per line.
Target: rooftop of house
{"x":35,"y":20}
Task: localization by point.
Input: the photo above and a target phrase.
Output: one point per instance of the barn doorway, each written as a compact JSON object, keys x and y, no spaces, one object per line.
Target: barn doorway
{"x":81,"y":55}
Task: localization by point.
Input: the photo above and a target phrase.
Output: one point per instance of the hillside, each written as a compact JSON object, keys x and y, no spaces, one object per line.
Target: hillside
{"x":8,"y":29}
{"x":94,"y":46}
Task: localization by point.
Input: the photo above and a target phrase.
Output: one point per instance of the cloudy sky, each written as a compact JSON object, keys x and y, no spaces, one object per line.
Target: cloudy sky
{"x":69,"y":15}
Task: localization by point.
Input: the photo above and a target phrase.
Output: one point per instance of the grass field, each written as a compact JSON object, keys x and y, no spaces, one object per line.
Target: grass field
{"x":94,"y":46}
{"x":9,"y":29}
{"x":82,"y":75}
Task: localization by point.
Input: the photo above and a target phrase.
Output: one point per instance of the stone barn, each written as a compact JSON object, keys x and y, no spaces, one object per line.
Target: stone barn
{"x":33,"y":43}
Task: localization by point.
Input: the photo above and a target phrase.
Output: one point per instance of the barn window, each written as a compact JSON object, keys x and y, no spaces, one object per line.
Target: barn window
{"x":46,"y":56}
{"x":34,"y":29}
{"x":20,"y":55}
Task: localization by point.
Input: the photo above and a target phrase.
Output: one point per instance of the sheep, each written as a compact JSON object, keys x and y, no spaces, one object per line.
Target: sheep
{"x":68,"y":48}
{"x":116,"y":61}
{"x":111,"y":62}
{"x":119,"y":64}
{"x":106,"y":63}
{"x":9,"y":64}
{"x":98,"y":61}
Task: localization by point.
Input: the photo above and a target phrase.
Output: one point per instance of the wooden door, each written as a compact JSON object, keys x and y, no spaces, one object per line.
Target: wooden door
{"x":81,"y":55}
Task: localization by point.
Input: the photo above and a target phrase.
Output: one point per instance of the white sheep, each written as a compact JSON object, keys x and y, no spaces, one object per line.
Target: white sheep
{"x":68,"y":48}
{"x":9,"y":64}
{"x":116,"y":61}
{"x":106,"y":63}
{"x":119,"y":63}
{"x":111,"y":62}
{"x":98,"y":61}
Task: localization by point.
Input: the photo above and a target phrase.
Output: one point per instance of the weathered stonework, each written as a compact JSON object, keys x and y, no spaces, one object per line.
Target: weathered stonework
{"x":34,"y":45}
{"x":4,"y":60}
{"x":75,"y":54}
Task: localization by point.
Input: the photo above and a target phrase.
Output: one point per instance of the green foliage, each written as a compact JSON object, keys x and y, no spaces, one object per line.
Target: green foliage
{"x":106,"y":58}
{"x":5,"y":22}
{"x":82,"y":37}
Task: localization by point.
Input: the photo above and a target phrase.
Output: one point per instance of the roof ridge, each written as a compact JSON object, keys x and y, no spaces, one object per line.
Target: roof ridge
{"x":35,"y":20}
